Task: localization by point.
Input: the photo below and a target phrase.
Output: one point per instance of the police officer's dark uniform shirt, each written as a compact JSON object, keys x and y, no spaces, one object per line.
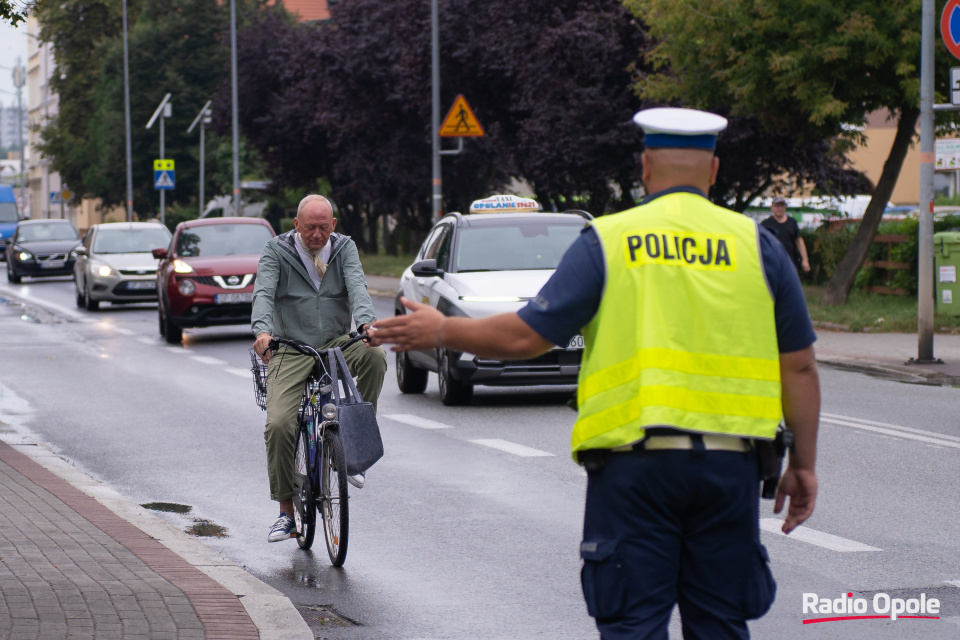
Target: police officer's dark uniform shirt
{"x":570,"y":299}
{"x":788,"y":232}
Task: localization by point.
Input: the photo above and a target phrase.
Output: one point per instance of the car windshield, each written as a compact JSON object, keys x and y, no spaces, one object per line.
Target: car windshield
{"x":138,"y":240}
{"x":8,"y":212}
{"x":222,"y":240}
{"x":47,"y":232}
{"x":515,"y":247}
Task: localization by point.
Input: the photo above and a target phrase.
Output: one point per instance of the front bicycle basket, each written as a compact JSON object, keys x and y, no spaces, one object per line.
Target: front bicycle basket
{"x":259,"y":369}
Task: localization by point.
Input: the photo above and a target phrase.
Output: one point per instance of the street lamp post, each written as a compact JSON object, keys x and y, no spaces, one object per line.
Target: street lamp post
{"x":164,"y":111}
{"x":20,"y":79}
{"x":126,"y":108}
{"x":203,"y":118}
{"x":236,"y":117}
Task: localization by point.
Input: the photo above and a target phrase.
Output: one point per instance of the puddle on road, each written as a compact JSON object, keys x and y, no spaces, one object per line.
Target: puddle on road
{"x":169,"y":507}
{"x":203,"y":528}
{"x":320,"y":617}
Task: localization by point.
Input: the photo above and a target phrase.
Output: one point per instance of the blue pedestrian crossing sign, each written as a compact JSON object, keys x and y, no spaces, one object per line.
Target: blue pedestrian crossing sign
{"x":163,"y":175}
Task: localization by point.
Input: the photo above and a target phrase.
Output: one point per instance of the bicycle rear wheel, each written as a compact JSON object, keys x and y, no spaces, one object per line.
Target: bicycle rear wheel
{"x":304,"y":499}
{"x":333,"y":498}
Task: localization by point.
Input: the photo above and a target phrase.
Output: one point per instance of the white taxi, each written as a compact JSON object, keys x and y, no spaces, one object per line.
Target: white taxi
{"x":491,"y":260}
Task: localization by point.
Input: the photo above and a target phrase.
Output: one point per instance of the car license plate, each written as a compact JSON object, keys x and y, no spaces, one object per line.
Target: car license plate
{"x":148,"y":285}
{"x":576,"y":343}
{"x":53,"y":264}
{"x":232,"y":298}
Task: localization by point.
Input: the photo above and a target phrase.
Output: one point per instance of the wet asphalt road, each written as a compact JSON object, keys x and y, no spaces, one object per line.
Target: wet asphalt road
{"x":451,"y":537}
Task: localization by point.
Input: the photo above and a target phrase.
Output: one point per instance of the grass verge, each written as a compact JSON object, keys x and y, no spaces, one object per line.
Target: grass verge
{"x":383,"y":265}
{"x":866,"y":312}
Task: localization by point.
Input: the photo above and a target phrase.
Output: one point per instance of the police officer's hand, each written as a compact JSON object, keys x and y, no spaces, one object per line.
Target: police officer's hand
{"x":422,"y":329}
{"x":260,"y":346}
{"x":801,"y":486}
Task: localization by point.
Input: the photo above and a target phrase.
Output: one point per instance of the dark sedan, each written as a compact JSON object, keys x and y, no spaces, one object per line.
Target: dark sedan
{"x":42,"y":248}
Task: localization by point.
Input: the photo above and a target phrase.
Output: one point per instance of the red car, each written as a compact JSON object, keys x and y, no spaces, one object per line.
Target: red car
{"x":206,"y":277}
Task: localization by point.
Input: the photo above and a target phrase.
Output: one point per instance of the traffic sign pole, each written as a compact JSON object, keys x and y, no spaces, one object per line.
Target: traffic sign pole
{"x":435,"y":116}
{"x":925,"y":213}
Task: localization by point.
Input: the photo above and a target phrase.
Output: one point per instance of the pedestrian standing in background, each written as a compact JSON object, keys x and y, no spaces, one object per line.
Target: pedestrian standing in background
{"x":788,"y":233}
{"x":697,"y":343}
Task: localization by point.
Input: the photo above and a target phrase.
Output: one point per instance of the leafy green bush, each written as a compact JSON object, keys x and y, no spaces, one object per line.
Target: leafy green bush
{"x":827,"y":247}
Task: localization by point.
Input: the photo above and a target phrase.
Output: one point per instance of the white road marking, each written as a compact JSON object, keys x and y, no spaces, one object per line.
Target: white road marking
{"x":417,"y":421}
{"x":818,"y":538}
{"x":53,"y":307}
{"x":179,"y":350}
{"x":208,"y":360}
{"x":242,"y":373}
{"x":513,"y":447}
{"x":124,"y":332}
{"x":150,"y":341}
{"x":906,"y":433}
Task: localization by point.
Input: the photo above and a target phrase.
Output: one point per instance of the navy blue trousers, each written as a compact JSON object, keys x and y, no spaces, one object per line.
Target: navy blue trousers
{"x":675,"y":527}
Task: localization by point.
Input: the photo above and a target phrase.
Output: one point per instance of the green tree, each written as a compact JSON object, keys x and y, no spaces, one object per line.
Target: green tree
{"x":175,"y":47}
{"x":806,"y":67}
{"x":13,"y":13}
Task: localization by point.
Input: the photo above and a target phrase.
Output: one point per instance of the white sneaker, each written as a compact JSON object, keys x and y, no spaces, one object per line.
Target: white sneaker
{"x":356,"y":480}
{"x":283,"y":529}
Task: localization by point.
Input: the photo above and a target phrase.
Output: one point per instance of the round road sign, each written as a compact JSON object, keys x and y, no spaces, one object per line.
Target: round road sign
{"x":950,"y":27}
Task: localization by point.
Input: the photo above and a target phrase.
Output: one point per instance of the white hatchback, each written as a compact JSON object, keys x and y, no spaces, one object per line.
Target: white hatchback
{"x":492,"y":260}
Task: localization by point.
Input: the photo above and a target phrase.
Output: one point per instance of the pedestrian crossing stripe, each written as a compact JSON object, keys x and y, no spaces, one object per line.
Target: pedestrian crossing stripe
{"x":461,"y":122}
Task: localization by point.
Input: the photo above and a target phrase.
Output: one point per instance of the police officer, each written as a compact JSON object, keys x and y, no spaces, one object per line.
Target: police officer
{"x":698,"y":343}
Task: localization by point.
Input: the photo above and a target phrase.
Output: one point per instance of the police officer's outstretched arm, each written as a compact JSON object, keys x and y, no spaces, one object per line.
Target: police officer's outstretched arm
{"x":504,"y":336}
{"x":801,"y":410}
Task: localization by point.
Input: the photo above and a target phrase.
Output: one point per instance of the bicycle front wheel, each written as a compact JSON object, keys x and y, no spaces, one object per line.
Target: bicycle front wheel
{"x":333,"y":498}
{"x":304,"y":500}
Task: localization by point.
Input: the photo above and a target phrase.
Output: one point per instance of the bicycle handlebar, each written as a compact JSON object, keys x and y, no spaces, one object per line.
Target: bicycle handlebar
{"x":307,"y":350}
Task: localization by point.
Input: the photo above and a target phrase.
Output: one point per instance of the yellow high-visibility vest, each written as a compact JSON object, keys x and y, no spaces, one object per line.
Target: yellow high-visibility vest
{"x":685,"y":335}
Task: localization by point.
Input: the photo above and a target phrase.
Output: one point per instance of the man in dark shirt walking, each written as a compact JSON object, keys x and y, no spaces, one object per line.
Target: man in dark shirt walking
{"x":788,"y":232}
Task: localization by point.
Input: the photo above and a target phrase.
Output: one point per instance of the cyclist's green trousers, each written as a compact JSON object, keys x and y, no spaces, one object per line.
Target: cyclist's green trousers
{"x":287,"y":372}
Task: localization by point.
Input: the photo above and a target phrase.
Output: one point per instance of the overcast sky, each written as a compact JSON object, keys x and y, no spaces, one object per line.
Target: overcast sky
{"x":13,"y":43}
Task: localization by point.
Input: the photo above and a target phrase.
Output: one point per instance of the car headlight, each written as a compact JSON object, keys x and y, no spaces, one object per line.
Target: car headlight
{"x":105,"y":271}
{"x":181,"y":267}
{"x":187,"y":287}
{"x":25,"y":255}
{"x":73,"y":254}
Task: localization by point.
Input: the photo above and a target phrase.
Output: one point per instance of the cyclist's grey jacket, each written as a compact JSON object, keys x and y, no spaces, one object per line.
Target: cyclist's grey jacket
{"x":286,"y":304}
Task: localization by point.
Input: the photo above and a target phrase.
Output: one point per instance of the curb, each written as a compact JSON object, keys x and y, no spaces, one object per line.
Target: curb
{"x":274,"y":615}
{"x":899,"y":373}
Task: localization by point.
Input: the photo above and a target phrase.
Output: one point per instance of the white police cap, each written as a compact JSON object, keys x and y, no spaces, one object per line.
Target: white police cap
{"x":680,"y":128}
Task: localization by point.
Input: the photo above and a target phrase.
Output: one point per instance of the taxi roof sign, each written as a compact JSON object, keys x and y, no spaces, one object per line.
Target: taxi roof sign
{"x":504,"y":204}
{"x":460,"y":122}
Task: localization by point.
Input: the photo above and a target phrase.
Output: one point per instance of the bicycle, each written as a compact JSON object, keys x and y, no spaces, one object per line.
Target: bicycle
{"x":320,"y":465}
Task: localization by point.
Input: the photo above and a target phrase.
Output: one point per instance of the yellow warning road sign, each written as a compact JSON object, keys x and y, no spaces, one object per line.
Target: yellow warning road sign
{"x":460,"y":122}
{"x":163,"y":165}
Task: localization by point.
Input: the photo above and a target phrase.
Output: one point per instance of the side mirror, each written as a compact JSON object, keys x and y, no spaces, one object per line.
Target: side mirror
{"x":81,"y":251}
{"x":159,"y":254}
{"x":426,"y":269}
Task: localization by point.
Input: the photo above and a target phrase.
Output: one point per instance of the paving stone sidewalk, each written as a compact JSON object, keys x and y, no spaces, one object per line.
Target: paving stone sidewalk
{"x":71,"y":568}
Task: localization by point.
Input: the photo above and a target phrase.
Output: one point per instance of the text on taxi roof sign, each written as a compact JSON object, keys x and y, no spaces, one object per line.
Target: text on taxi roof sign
{"x":504,"y":204}
{"x":460,"y":122}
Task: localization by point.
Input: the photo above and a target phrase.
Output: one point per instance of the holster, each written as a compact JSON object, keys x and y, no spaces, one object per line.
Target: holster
{"x":770,"y":454}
